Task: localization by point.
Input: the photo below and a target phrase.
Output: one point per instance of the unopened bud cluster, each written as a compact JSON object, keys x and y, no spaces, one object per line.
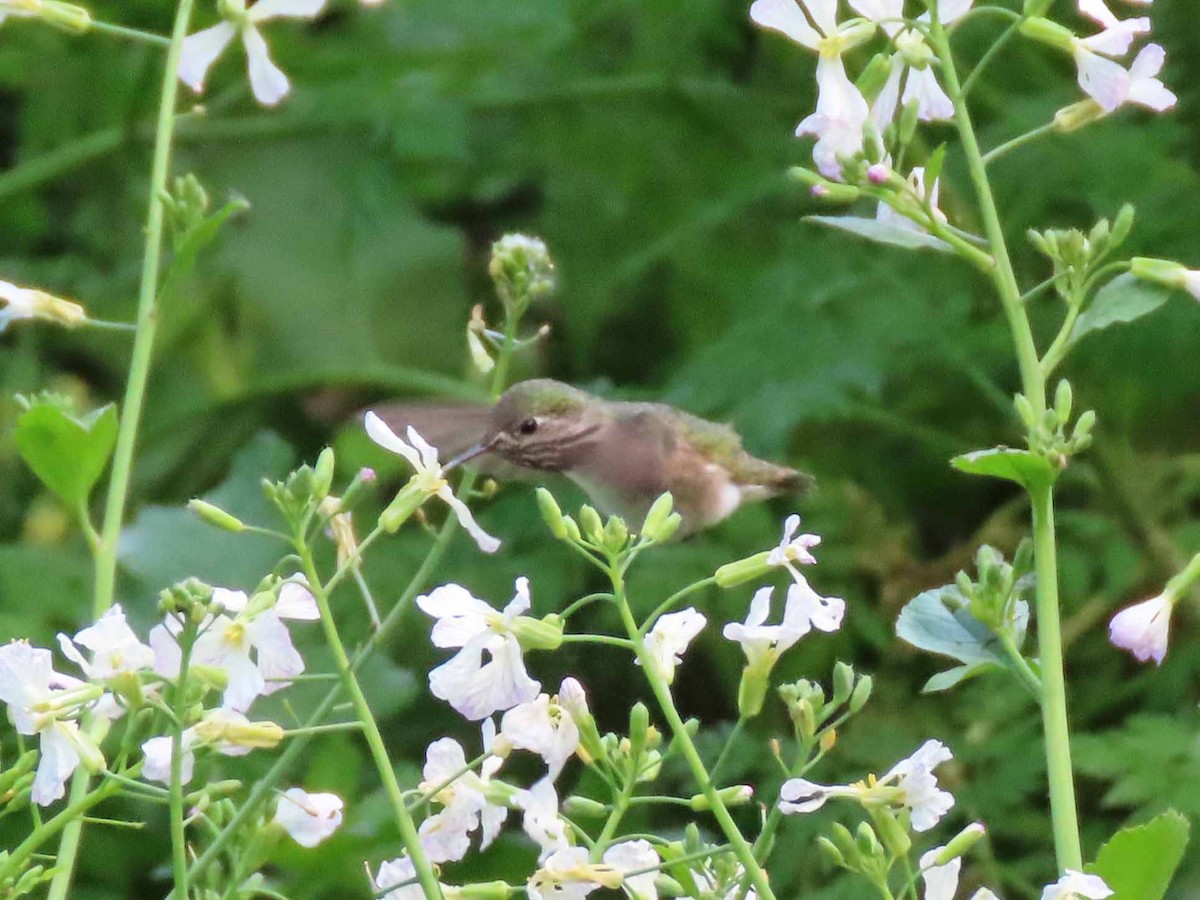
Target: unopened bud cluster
{"x":994,"y":597}
{"x":1051,"y":434}
{"x":522,"y":270}
{"x":813,"y":714}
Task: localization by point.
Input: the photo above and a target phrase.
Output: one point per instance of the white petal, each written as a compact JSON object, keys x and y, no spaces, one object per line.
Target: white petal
{"x":244,"y":685}
{"x":378,"y":431}
{"x":267,"y":82}
{"x":632,"y":856}
{"x":200,"y":51}
{"x":883,"y":110}
{"x":426,"y":450}
{"x":801,"y":796}
{"x":933,"y":104}
{"x":278,"y":659}
{"x":1075,"y":884}
{"x":71,"y":652}
{"x":59,"y":758}
{"x":1145,"y":88}
{"x":785,"y":17}
{"x":308,"y":818}
{"x":824,"y":13}
{"x":444,"y":759}
{"x":446,"y":836}
{"x":941,"y":882}
{"x":296,"y":602}
{"x":521,"y":600}
{"x":460,"y":616}
{"x":486,"y":542}
{"x":952,"y":10}
{"x":292,"y":9}
{"x":1143,"y":629}
{"x":1103,"y":80}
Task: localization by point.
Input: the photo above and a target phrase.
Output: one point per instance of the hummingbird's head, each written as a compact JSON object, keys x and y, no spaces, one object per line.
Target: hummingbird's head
{"x":540,"y":424}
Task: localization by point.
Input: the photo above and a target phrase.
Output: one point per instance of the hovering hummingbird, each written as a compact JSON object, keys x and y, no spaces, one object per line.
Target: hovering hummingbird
{"x":623,"y":455}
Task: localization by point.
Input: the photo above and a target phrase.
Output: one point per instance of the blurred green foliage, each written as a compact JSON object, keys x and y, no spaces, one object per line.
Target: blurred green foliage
{"x":646,"y":141}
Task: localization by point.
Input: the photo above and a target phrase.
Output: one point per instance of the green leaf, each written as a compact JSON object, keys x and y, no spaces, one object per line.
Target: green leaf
{"x":883,"y":232}
{"x":1138,"y":863}
{"x":66,"y":452}
{"x":938,"y":621}
{"x":1021,"y":466}
{"x":1123,"y":299}
{"x":943,"y":681}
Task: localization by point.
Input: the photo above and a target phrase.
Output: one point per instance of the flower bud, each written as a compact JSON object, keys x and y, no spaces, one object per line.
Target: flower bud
{"x":1062,"y":401}
{"x":485,"y":890}
{"x":1025,"y":410}
{"x":659,"y":523}
{"x":593,"y":527}
{"x":573,"y":532}
{"x":862,"y":693}
{"x":735,"y":795}
{"x":909,"y":119}
{"x":538,"y":634}
{"x":67,"y":17}
{"x":867,"y":841}
{"x":844,"y":841}
{"x":870,"y":83}
{"x":616,"y":534}
{"x":752,"y":691}
{"x":1159,"y":271}
{"x":584,"y":808}
{"x":400,"y":510}
{"x":830,"y":851}
{"x":895,"y":837}
{"x":639,"y":724}
{"x":1050,"y":33}
{"x":552,"y":514}
{"x":215,"y":516}
{"x":323,"y":473}
{"x":748,"y":569}
{"x":843,"y":683}
{"x":833,"y":192}
{"x":960,"y":844}
{"x":1123,"y":224}
{"x":522,"y":270}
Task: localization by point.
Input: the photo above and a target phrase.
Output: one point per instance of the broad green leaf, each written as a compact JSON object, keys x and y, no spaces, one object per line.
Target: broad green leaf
{"x":943,"y":681}
{"x":883,"y":232}
{"x":1021,"y":466}
{"x":1123,"y":299}
{"x":1138,"y":863}
{"x":67,"y":453}
{"x":929,"y":622}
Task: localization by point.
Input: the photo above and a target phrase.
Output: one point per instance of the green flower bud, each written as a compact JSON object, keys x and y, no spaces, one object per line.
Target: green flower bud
{"x":484,"y":890}
{"x":400,"y":510}
{"x":868,"y":842}
{"x":1062,"y":401}
{"x":659,"y":523}
{"x":552,"y":513}
{"x":639,"y":725}
{"x":215,"y":516}
{"x":522,"y":271}
{"x":830,"y":851}
{"x":752,"y":690}
{"x":584,"y":808}
{"x":909,"y":119}
{"x":748,"y":569}
{"x":538,"y":634}
{"x":67,"y":17}
{"x":1025,"y":410}
{"x":573,"y":533}
{"x":894,"y":836}
{"x":1123,"y":224}
{"x":870,"y":83}
{"x":593,"y":527}
{"x":735,"y":795}
{"x":960,"y":844}
{"x":1160,"y":271}
{"x":1050,"y":33}
{"x":843,"y":683}
{"x":862,"y":693}
{"x":844,"y":841}
{"x":616,"y":534}
{"x":1084,"y":424}
{"x":323,"y":474}
{"x":1077,"y":115}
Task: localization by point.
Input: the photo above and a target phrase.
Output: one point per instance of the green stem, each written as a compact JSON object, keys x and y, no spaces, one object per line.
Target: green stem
{"x":383,"y":764}
{"x":673,"y":599}
{"x":1025,"y":672}
{"x":1058,"y":348}
{"x":734,"y":734}
{"x":179,"y":864}
{"x":1019,"y":141}
{"x":994,"y":50}
{"x":619,"y":808}
{"x":1188,"y":576}
{"x":1054,"y":698}
{"x":74,"y":810}
{"x":147,"y":321}
{"x":130,"y":34}
{"x":662,"y":692}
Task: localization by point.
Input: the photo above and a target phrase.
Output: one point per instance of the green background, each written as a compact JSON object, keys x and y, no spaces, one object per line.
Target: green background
{"x":646,"y":142}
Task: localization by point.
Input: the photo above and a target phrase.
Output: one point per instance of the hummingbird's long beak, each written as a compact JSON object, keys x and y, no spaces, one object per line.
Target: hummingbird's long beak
{"x":467,"y":455}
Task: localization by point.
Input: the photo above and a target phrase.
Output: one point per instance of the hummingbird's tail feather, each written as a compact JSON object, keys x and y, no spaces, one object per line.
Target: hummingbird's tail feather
{"x":761,"y":479}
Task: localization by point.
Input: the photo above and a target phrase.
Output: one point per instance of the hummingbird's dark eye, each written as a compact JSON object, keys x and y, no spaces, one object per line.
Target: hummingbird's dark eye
{"x":529,"y":426}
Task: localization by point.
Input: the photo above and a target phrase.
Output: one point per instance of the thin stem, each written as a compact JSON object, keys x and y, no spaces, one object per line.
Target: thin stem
{"x":579,"y":604}
{"x":723,"y":757}
{"x":1019,"y":141}
{"x":1025,"y":672}
{"x":662,"y":692}
{"x":147,"y":321}
{"x":1054,"y":698}
{"x":1058,"y":349}
{"x":673,"y":599}
{"x":597,"y":639}
{"x":383,"y":764}
{"x":130,"y":34}
{"x":994,"y":50}
{"x":619,"y":808}
{"x":178,"y":833}
{"x":1054,"y":689}
{"x":105,"y":325}
{"x":71,"y":813}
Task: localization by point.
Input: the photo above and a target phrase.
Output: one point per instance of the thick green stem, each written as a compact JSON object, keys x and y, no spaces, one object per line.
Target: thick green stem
{"x":1054,"y":698}
{"x":383,"y":763}
{"x":662,"y":692}
{"x":147,"y":321}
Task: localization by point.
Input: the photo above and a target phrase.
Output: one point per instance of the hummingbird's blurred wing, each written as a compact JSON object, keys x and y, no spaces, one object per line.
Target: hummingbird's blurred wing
{"x":453,"y":428}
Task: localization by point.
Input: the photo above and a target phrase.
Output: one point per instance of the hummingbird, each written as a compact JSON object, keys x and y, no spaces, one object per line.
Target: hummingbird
{"x":623,"y":455}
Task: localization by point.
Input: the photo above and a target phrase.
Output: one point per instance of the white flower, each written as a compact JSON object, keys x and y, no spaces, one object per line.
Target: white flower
{"x":1143,"y":628}
{"x":565,"y":875}
{"x":201,"y":50}
{"x":308,"y":818}
{"x":1118,"y":34}
{"x":541,"y":820}
{"x":401,"y":874}
{"x":446,"y":835}
{"x":636,"y":856}
{"x":669,"y":638}
{"x":475,"y":688}
{"x":27,"y":303}
{"x":429,"y":477}
{"x":764,"y":644}
{"x":842,"y":110}
{"x":793,"y":548}
{"x":39,"y":701}
{"x":115,"y":648}
{"x":543,"y":726}
{"x":1111,"y":86}
{"x":1077,"y":886}
{"x":916,"y":188}
{"x":910,"y":783}
{"x":229,"y":733}
{"x":227,"y":643}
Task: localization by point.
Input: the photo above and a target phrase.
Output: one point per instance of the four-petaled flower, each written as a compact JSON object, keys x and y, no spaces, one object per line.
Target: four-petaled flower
{"x":567,"y":874}
{"x":226,"y":731}
{"x":115,"y":648}
{"x":669,"y":638}
{"x":201,"y":50}
{"x":842,"y":110}
{"x":447,"y":779}
{"x":636,"y":856}
{"x":227,"y":643}
{"x":541,"y":820}
{"x":1143,"y":628}
{"x":475,"y":688}
{"x":910,"y":783}
{"x":764,"y":644}
{"x":308,"y":818}
{"x":544,"y":726}
{"x":429,"y":478}
{"x":44,"y":702}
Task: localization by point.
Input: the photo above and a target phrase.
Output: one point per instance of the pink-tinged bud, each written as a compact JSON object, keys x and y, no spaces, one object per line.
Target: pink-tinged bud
{"x":878,"y":174}
{"x":819,"y":191}
{"x":1143,"y":629}
{"x":366,"y":473}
